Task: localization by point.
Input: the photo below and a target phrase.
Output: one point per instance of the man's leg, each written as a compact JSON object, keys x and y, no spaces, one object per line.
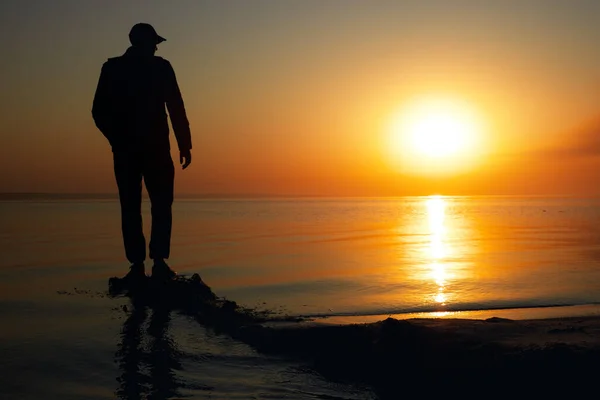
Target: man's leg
{"x":128,"y":172}
{"x":159,"y":175}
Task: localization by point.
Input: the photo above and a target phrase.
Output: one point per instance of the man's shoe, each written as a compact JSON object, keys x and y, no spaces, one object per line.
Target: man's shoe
{"x":161,"y":271}
{"x":136,"y":275}
{"x":132,"y":282}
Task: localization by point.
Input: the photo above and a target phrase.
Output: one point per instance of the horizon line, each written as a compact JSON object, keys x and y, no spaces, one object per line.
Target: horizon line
{"x":115,"y":195}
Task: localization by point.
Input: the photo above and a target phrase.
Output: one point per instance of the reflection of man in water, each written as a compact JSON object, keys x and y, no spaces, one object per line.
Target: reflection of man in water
{"x":129,"y":109}
{"x":147,"y":363}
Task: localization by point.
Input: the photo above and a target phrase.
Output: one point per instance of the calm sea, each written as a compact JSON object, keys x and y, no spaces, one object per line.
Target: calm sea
{"x":347,"y":259}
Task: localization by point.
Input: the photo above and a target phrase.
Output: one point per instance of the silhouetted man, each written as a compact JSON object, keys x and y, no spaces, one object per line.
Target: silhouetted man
{"x":129,"y":109}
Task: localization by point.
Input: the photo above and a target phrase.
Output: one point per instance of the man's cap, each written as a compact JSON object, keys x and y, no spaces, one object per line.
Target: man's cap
{"x":143,"y":33}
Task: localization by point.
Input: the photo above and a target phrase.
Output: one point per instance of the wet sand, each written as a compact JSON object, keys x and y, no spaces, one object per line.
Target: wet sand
{"x":447,"y":356}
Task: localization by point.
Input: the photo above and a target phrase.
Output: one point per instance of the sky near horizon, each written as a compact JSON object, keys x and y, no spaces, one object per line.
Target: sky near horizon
{"x":295,"y":97}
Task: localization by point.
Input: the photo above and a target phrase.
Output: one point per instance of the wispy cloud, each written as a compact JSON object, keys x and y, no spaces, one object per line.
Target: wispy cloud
{"x":582,"y":144}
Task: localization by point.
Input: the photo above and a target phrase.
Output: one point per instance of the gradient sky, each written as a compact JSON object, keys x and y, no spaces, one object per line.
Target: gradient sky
{"x":292,"y":97}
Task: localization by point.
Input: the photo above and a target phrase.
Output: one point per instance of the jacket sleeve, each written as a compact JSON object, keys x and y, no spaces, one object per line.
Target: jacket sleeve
{"x":176,"y":108}
{"x":101,"y":108}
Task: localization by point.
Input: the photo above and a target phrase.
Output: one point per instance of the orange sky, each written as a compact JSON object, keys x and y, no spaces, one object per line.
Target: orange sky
{"x":293,"y":98}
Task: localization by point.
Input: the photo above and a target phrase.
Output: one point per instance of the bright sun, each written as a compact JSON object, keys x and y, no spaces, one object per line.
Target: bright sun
{"x":435,"y":136}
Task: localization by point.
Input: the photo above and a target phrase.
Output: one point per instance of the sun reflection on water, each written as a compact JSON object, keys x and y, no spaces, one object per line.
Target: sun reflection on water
{"x":438,"y":250}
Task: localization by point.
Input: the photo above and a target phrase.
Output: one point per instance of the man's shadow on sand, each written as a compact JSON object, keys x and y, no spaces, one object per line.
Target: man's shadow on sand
{"x":147,"y":355}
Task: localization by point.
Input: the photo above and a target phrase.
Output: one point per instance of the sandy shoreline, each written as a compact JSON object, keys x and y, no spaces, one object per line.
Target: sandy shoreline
{"x":446,"y":356}
{"x":575,"y":331}
{"x":582,"y":331}
{"x":443,"y":355}
{"x":516,"y":313}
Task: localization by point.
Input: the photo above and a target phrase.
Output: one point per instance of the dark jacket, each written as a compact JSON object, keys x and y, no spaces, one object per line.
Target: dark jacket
{"x":129,"y":104}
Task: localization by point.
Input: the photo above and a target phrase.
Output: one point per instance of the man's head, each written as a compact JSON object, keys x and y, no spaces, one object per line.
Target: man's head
{"x":143,"y":35}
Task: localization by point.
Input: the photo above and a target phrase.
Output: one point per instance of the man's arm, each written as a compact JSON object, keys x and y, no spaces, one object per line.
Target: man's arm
{"x":101,"y":107}
{"x":176,"y":108}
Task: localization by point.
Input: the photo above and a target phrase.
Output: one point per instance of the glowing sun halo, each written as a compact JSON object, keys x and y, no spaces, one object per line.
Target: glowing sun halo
{"x":435,"y":136}
{"x":439,"y":133}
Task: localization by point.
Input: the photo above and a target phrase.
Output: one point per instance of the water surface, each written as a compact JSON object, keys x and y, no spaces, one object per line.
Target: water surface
{"x":320,"y":257}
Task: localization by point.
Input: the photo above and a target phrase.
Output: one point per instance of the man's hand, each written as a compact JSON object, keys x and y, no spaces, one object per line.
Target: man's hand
{"x":185,"y":158}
